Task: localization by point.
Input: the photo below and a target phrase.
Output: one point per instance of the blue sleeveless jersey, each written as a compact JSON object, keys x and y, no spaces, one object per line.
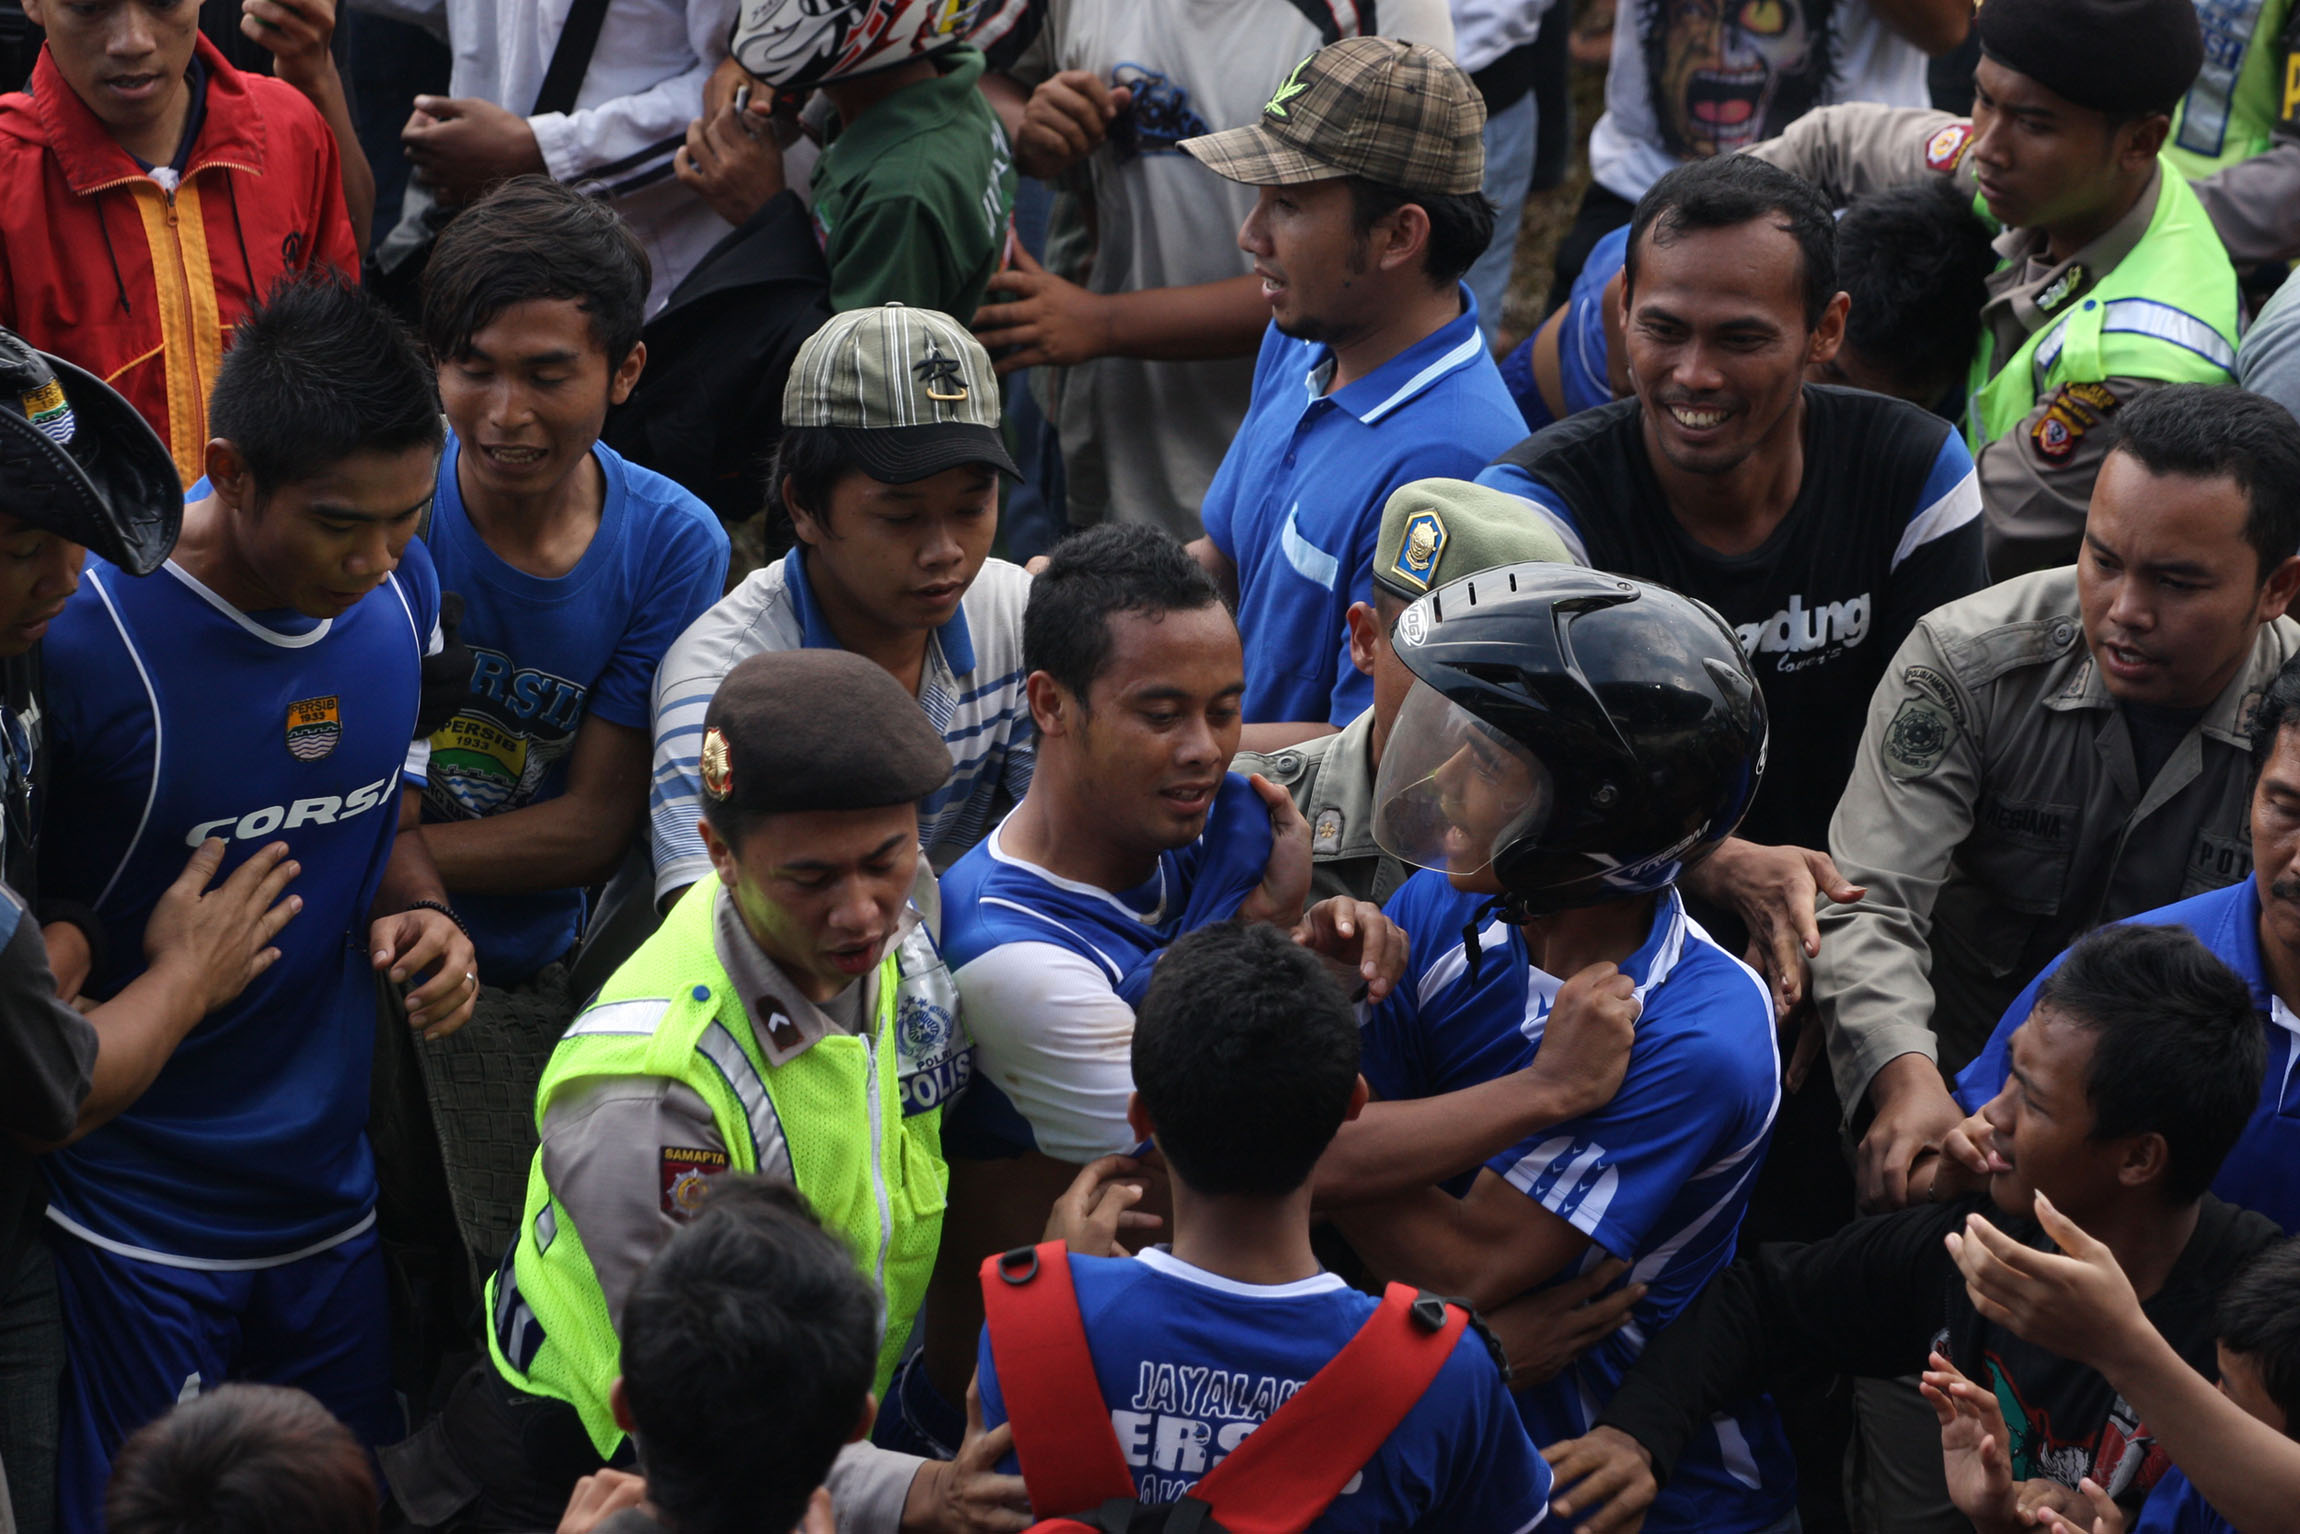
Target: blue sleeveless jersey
{"x":176,"y":717}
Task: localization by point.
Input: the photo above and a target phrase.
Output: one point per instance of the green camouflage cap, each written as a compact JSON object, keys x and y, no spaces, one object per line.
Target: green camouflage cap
{"x":1439,"y":530}
{"x":910,"y":392}
{"x":1400,"y":114}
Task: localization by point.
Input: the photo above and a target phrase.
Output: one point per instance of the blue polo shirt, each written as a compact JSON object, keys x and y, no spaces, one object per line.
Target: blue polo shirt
{"x":1658,"y":1177}
{"x":2262,"y":1172}
{"x":1297,"y":503}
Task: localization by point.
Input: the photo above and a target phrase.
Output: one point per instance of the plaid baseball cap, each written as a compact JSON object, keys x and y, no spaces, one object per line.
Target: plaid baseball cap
{"x":910,"y":392}
{"x":1400,"y":114}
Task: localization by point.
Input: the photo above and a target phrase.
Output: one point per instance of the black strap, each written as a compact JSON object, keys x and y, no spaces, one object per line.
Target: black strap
{"x":571,"y":59}
{"x":1320,"y":14}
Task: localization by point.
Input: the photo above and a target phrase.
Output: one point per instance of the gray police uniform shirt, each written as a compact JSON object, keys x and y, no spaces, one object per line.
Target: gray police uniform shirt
{"x":605,"y":1143}
{"x":2036,"y":479}
{"x":1995,"y":814}
{"x":1331,"y":780}
{"x":2268,"y":359}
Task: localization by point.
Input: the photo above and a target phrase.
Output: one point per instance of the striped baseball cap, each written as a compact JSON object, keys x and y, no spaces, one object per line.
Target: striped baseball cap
{"x":910,"y":392}
{"x":1401,"y":114}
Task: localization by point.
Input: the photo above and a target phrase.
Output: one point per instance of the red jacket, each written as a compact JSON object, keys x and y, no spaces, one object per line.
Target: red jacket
{"x":101,"y":266}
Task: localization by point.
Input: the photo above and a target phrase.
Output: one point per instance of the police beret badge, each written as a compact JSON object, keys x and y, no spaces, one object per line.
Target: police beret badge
{"x":718,"y":765}
{"x":1418,"y":555}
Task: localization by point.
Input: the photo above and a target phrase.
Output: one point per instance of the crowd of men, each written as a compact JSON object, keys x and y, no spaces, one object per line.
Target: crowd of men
{"x":875,"y":765}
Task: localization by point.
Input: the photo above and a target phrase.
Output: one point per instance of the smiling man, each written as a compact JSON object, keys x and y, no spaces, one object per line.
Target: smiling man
{"x":2057,"y":751}
{"x":2113,"y":282}
{"x":575,"y":571}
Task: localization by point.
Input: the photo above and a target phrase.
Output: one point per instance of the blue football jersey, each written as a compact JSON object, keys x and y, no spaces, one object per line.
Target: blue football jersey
{"x":1659,"y":1177}
{"x":1049,"y":972}
{"x":1190,"y":1363}
{"x":175,"y":717}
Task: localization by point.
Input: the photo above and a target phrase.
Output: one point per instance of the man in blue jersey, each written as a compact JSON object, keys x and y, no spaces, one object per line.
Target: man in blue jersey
{"x":1241,"y":1114}
{"x":83,"y":469}
{"x":1132,"y":834}
{"x":263,"y":684}
{"x":1572,"y":740}
{"x":576,"y":570}
{"x":1367,"y":167}
{"x":2252,"y":926}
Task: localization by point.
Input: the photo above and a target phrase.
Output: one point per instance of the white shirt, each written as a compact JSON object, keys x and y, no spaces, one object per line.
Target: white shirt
{"x":644,"y":86}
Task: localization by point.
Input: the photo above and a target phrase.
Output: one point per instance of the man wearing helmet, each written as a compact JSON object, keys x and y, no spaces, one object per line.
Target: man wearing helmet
{"x":79,"y":469}
{"x":1573,"y":741}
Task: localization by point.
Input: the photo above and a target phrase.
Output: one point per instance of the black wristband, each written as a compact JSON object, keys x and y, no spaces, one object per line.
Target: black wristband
{"x":444,"y":909}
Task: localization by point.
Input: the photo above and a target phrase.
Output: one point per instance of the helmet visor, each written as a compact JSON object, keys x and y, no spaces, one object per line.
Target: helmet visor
{"x":1453,"y":790}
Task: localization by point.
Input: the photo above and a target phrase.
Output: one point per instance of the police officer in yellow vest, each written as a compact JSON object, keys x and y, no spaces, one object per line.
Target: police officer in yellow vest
{"x":1434,"y":531}
{"x":2114,"y":281}
{"x":791,"y":1017}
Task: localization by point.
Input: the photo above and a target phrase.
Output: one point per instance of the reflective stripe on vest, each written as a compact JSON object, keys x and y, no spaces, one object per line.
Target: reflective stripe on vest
{"x":551,"y":1333}
{"x":2166,"y":312}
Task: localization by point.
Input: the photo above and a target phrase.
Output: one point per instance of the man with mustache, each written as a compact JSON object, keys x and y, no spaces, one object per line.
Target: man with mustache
{"x":2115,"y":281}
{"x":2252,"y":926}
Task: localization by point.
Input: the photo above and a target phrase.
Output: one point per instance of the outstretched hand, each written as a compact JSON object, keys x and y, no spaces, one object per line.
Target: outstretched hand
{"x":1975,"y":1453}
{"x":1356,"y":934}
{"x":2076,"y":1302}
{"x":1603,"y":1482}
{"x":216,"y":941}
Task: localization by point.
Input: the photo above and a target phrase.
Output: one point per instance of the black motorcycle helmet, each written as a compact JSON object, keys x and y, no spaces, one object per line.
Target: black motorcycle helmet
{"x":1586,"y":735}
{"x":77,"y":460}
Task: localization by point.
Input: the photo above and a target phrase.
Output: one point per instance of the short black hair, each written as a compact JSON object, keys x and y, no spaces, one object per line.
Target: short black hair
{"x":1461,"y":224}
{"x":533,"y":238}
{"x":1245,"y":1053}
{"x":749,"y":1346}
{"x":2260,"y":1321}
{"x":1727,"y":191}
{"x":2177,"y":1047}
{"x":1915,"y":260}
{"x":318,"y":372}
{"x":2212,"y":431}
{"x":1091,"y":576}
{"x":252,"y":1459}
{"x":814,"y":459}
{"x":2279,"y":711}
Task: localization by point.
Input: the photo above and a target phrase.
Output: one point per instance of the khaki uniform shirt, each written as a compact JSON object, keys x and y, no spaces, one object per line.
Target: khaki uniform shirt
{"x":1332,"y":781}
{"x":2033,"y":502}
{"x":1995,"y":814}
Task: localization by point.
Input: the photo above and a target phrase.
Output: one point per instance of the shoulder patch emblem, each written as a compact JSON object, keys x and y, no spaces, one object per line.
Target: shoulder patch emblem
{"x":1326,"y":832}
{"x":313,"y":727}
{"x":2073,"y":410}
{"x":1945,"y":150}
{"x":686,"y":1174}
{"x":1418,"y":555}
{"x":1918,"y":737}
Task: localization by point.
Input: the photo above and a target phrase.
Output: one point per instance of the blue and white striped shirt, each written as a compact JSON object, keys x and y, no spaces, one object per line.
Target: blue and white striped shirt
{"x":971,"y":689}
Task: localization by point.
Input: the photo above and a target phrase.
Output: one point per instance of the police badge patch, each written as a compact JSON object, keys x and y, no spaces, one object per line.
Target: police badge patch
{"x":686,"y":1174}
{"x":2073,"y":410}
{"x":1946,"y":148}
{"x":313,"y":727}
{"x":1918,"y":737}
{"x":1418,"y":555}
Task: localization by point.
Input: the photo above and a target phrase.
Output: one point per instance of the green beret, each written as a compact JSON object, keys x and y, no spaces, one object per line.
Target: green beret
{"x":1439,"y":530}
